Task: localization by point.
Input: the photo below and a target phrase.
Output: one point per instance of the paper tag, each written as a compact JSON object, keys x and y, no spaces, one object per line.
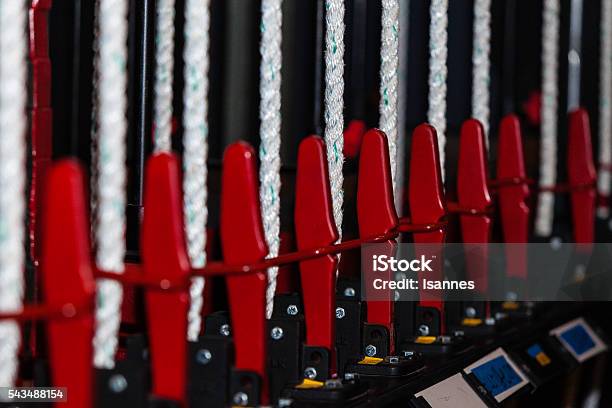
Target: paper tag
{"x":498,"y":374}
{"x":579,"y":339}
{"x":453,"y":392}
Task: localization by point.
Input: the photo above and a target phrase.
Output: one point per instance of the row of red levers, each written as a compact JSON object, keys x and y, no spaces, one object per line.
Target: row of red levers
{"x":68,"y":275}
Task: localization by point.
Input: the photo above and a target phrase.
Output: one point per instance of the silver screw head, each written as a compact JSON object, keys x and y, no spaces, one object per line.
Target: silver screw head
{"x":490,"y":321}
{"x":424,"y":330}
{"x":394,"y":360}
{"x":470,"y":311}
{"x":284,"y":402}
{"x":203,"y":356}
{"x":340,"y":313}
{"x":556,"y":243}
{"x":276,"y":333}
{"x":407,"y":353}
{"x":117,"y":383}
{"x":310,"y":373}
{"x":241,"y":399}
{"x":370,"y":350}
{"x":349,"y":292}
{"x":224,"y":330}
{"x":292,"y":310}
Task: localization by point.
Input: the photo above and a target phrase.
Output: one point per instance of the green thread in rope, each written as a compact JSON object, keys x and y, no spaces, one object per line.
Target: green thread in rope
{"x":336,"y":152}
{"x":385,"y":97}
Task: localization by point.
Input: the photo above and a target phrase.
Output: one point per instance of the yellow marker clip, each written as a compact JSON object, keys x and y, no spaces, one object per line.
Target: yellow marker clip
{"x":425,"y":339}
{"x":471,"y":322}
{"x":510,"y":305}
{"x":543,"y":359}
{"x":370,"y":360}
{"x":307,"y":384}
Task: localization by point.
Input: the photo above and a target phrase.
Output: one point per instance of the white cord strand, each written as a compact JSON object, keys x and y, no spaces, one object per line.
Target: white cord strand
{"x":481,"y":64}
{"x":270,"y":133}
{"x":334,"y":103}
{"x":437,"y":72}
{"x":404,"y":17}
{"x":389,"y":77}
{"x":13,"y":96}
{"x":110,"y":189}
{"x":195,"y":152}
{"x":605,"y":106}
{"x":548,"y":143}
{"x":164,"y":74}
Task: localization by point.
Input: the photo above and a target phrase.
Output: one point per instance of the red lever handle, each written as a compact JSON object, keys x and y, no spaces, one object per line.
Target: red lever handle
{"x":473,"y":193}
{"x":353,"y":136}
{"x":427,"y":204}
{"x":315,"y":227}
{"x":164,"y":255}
{"x":376,"y":211}
{"x":67,"y":278}
{"x":243,"y":241}
{"x":39,"y":28}
{"x":581,"y":171}
{"x":514,"y":211}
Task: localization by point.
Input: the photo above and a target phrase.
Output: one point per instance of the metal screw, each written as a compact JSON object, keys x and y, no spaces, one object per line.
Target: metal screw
{"x":203,"y":356}
{"x":424,"y":330}
{"x":117,"y":383}
{"x":292,"y":310}
{"x":349,"y":292}
{"x":459,"y":333}
{"x":224,"y":330}
{"x":397,"y":296}
{"x":370,"y":350}
{"x":556,"y":243}
{"x":284,"y":402}
{"x":310,"y":373}
{"x":394,"y":360}
{"x":470,"y":311}
{"x":340,"y":313}
{"x":276,"y":333}
{"x":241,"y":399}
{"x":407,"y":353}
{"x":490,"y":321}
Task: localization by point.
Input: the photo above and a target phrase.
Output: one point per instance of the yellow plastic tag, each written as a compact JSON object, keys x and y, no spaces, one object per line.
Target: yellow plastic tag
{"x":307,"y":384}
{"x":370,"y":360}
{"x":471,"y":322}
{"x":510,"y":305}
{"x":425,"y":339}
{"x":543,"y":359}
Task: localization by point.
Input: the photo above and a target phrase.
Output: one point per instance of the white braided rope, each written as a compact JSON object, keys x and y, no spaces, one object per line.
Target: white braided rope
{"x":605,"y":106}
{"x":270,"y":133}
{"x":438,"y":51}
{"x":334,"y":103}
{"x":93,"y":146}
{"x":389,"y":78}
{"x":404,"y":21}
{"x":110,"y":188}
{"x":164,"y":73}
{"x":195,"y":152}
{"x":481,"y":63}
{"x":13,"y":96}
{"x":548,"y":143}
